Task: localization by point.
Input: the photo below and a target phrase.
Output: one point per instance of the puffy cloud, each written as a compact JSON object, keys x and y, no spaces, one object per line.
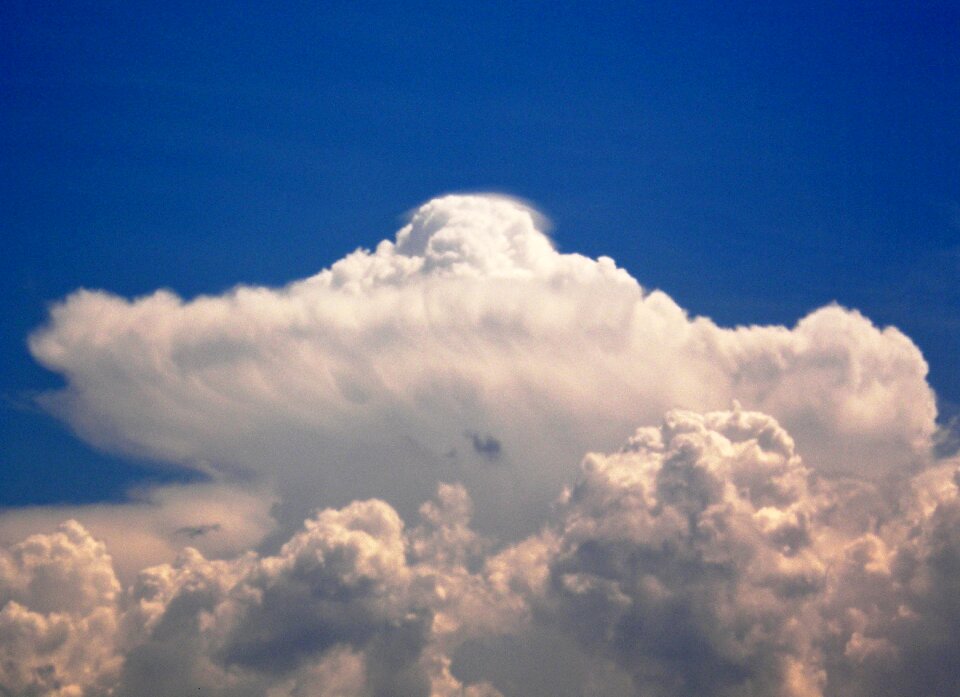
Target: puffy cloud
{"x":362,"y":380}
{"x":806,"y":543}
{"x":891,"y":613}
{"x":701,"y":558}
{"x":233,"y":627}
{"x":58,"y":615}
{"x":705,"y":558}
{"x":688,"y":558}
{"x":352,"y":604}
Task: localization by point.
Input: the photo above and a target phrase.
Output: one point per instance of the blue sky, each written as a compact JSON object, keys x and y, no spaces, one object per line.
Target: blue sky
{"x":414,"y":473}
{"x":754,"y":162}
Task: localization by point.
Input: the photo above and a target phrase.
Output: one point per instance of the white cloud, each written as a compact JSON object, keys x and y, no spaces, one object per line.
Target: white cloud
{"x":804,"y":543}
{"x":362,"y":380}
{"x":58,"y":615}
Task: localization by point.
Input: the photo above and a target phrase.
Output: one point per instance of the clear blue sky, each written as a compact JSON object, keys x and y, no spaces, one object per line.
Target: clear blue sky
{"x":754,"y":160}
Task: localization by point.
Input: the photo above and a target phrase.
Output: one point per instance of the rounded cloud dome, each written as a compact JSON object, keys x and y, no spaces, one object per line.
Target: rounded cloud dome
{"x":488,"y":234}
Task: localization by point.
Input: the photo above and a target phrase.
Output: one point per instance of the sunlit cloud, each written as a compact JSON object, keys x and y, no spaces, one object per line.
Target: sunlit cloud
{"x":465,"y":438}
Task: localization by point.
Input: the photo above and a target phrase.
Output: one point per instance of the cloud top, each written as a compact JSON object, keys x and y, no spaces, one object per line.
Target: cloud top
{"x":781,"y":523}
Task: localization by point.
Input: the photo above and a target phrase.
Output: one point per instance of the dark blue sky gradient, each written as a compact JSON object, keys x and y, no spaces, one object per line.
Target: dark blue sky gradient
{"x":754,"y":161}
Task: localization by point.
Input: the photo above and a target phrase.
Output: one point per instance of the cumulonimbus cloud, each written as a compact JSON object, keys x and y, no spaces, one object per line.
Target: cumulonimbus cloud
{"x":362,"y":380}
{"x":802,"y":542}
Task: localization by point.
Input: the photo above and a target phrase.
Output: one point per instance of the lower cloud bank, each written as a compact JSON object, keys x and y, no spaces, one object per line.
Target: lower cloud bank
{"x":705,"y":557}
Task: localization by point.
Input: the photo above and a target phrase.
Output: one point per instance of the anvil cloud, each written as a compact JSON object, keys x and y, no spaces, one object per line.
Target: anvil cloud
{"x":778,"y":525}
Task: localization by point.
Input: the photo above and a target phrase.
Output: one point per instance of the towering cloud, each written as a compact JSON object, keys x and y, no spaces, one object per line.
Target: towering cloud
{"x":803,"y":541}
{"x":362,"y":380}
{"x":689,"y":557}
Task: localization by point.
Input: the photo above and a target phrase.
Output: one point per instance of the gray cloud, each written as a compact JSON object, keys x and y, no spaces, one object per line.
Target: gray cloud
{"x":484,"y":445}
{"x":195,"y":531}
{"x":353,"y":592}
{"x":686,"y":558}
{"x":705,"y":558}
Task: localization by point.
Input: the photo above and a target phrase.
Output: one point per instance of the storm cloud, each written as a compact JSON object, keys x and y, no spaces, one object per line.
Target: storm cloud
{"x":757,"y":510}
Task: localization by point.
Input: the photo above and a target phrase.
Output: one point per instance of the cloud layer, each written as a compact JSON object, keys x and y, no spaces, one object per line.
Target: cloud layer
{"x":803,"y":541}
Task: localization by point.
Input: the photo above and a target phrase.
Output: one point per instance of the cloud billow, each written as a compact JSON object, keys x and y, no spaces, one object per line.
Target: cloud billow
{"x":804,"y":541}
{"x":356,"y":382}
